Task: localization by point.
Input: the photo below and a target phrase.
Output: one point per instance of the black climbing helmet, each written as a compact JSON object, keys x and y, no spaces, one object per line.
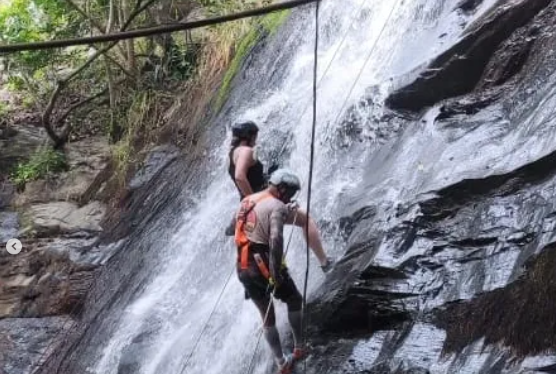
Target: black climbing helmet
{"x":245,"y":130}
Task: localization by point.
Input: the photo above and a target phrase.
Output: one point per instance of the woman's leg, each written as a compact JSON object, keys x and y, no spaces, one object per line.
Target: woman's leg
{"x":299,"y":218}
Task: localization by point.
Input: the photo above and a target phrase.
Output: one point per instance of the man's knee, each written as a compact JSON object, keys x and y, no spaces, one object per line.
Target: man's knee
{"x":266,"y":311}
{"x":269,"y":322}
{"x":269,"y":318}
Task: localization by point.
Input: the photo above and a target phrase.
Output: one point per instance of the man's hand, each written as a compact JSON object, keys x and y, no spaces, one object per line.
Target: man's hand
{"x":326,"y":268}
{"x":273,"y":168}
{"x":276,"y":280}
{"x":292,"y":206}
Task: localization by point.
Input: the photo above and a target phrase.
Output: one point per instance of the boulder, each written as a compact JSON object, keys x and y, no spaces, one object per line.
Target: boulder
{"x":41,"y":281}
{"x":86,"y":159}
{"x":27,"y":341}
{"x":66,"y":217}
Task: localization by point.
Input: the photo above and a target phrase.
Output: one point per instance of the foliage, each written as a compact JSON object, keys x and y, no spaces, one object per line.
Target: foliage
{"x":140,"y":122}
{"x":123,"y":152}
{"x":273,"y":21}
{"x":23,"y":21}
{"x":4,"y":108}
{"x":44,"y":162}
{"x":131,"y":76}
{"x":269,"y":24}
{"x":245,"y":45}
{"x":61,"y":82}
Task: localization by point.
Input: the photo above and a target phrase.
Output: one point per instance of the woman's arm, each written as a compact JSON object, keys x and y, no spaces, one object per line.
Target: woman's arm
{"x":244,"y":161}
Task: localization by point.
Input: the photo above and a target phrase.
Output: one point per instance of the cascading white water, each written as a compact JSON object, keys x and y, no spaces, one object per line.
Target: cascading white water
{"x":171,"y":312}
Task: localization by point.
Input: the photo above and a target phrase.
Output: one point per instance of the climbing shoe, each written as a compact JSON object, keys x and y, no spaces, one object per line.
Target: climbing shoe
{"x":299,"y":354}
{"x":330,"y":262}
{"x":287,"y":366}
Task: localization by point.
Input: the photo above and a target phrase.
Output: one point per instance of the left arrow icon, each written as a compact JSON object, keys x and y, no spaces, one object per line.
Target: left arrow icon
{"x":14,"y":246}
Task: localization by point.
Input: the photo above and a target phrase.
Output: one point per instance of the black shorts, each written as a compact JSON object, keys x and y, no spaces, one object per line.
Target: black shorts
{"x":257,"y":286}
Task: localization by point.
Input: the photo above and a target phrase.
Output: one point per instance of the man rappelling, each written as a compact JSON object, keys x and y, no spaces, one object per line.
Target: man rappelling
{"x":260,"y":264}
{"x":247,"y":173}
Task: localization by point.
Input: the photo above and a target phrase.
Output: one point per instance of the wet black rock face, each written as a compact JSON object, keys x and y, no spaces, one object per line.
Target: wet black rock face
{"x":27,"y":341}
{"x":523,"y":311}
{"x":468,"y":282}
{"x":469,"y":5}
{"x":458,"y":70}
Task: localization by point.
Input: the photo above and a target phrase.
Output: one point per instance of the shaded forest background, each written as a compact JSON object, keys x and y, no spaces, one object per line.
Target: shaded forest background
{"x":127,"y":91}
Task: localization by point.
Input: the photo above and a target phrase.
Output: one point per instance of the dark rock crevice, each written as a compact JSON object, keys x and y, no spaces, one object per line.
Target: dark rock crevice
{"x":468,"y":6}
{"x":42,"y":283}
{"x":520,"y":316}
{"x":471,"y":190}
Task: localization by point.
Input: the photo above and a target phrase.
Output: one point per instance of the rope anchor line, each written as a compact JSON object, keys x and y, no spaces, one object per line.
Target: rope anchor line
{"x":150,"y":31}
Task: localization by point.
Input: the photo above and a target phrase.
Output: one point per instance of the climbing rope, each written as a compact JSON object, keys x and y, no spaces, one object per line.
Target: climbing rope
{"x":334,"y":55}
{"x":310,"y":178}
{"x":304,"y":319}
{"x":312,"y":146}
{"x":198,"y":340}
{"x":394,"y":6}
{"x":207,"y":321}
{"x":251,"y":367}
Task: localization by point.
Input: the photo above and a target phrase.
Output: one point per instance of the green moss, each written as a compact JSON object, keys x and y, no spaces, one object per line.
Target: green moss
{"x":273,"y":21}
{"x":4,"y":108}
{"x":270,"y":25}
{"x":245,"y":45}
{"x":42,"y":163}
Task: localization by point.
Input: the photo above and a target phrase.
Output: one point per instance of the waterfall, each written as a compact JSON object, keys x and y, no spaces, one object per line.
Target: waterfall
{"x":366,"y":45}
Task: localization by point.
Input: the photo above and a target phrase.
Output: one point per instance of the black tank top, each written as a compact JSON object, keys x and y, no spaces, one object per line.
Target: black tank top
{"x":255,"y":175}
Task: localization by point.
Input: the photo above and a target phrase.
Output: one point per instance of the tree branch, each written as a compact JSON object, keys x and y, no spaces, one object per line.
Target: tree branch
{"x":138,"y":9}
{"x":144,"y":32}
{"x":45,"y":118}
{"x":94,"y":22}
{"x":80,"y":104}
{"x":83,"y":14}
{"x":47,"y":114}
{"x":66,"y":130}
{"x":102,"y":51}
{"x":120,"y":66}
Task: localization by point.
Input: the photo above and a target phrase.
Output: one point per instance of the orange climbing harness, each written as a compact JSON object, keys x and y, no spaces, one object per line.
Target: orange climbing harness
{"x":241,"y":239}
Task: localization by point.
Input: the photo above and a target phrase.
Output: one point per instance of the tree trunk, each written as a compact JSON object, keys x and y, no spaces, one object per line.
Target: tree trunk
{"x":129,"y":43}
{"x":109,"y":74}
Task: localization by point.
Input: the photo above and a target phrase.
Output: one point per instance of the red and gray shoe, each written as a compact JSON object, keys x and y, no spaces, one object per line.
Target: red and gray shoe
{"x":287,"y":366}
{"x":299,"y":354}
